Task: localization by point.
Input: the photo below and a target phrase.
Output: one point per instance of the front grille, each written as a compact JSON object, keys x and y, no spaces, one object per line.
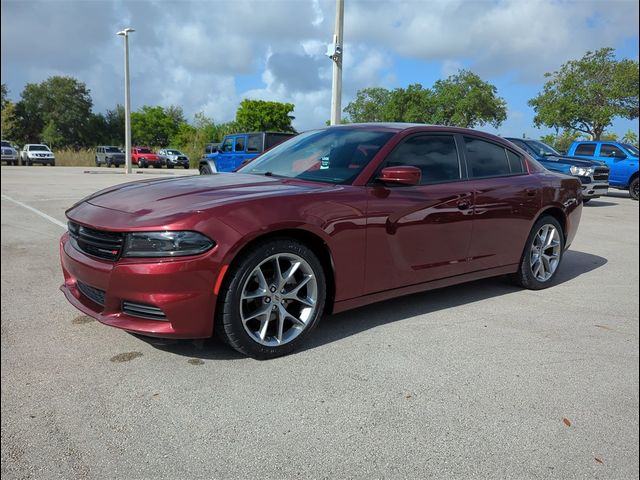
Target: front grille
{"x":601,"y":174}
{"x":143,"y":311}
{"x":94,"y":294}
{"x":97,"y":243}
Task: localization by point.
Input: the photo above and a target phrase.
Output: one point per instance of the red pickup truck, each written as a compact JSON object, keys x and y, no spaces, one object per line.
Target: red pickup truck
{"x":143,"y":157}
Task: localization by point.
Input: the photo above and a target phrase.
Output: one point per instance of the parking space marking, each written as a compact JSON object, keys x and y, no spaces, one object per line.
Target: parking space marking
{"x":36,"y":211}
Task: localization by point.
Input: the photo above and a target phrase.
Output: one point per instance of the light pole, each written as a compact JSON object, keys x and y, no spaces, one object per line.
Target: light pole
{"x":127,"y":100}
{"x":336,"y":84}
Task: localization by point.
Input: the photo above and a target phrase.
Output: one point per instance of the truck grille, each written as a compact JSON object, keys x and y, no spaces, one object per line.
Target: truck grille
{"x":97,"y":243}
{"x":601,"y":174}
{"x":94,"y":294}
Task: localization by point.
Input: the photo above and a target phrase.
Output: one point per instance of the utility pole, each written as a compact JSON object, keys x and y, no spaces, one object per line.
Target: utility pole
{"x":127,"y":100}
{"x":336,"y":84}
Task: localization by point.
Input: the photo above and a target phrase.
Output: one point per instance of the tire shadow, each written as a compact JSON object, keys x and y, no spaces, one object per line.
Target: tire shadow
{"x":336,"y":327}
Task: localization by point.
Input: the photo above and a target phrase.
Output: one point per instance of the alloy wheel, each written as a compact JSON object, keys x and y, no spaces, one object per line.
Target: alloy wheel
{"x":545,"y":252}
{"x":279,"y":299}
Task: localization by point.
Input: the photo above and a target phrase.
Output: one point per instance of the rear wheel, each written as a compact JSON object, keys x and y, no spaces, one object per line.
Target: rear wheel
{"x":542,"y":255}
{"x":633,"y":189}
{"x":271,"y":299}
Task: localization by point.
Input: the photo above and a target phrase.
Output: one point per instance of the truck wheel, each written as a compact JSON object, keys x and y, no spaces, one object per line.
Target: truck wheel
{"x":272,"y":298}
{"x":542,"y":255}
{"x":586,"y":200}
{"x":205,"y":170}
{"x":633,"y":189}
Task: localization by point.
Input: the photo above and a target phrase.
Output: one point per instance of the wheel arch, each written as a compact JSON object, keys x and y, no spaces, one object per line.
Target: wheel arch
{"x":308,"y":238}
{"x":633,"y":176}
{"x":558,"y":214}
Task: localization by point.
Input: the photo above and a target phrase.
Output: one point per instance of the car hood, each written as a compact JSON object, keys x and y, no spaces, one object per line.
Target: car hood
{"x":159,"y":198}
{"x":566,"y":160}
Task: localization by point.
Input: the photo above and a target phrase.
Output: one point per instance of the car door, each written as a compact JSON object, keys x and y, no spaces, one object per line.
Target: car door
{"x":613,"y":156}
{"x":419,"y":233}
{"x":505,"y":203}
{"x":239,"y":150}
{"x":224,"y":159}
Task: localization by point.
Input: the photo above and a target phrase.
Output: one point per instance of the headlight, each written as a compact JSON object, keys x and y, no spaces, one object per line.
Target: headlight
{"x":581,"y":171}
{"x":165,"y":244}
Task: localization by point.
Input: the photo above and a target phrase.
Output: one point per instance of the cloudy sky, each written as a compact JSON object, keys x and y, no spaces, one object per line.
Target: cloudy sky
{"x":208,"y":55}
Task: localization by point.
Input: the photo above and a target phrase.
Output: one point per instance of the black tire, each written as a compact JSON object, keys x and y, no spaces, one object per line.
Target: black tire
{"x":586,"y":200}
{"x":186,"y":167}
{"x":205,"y":170}
{"x":97,"y":162}
{"x":228,"y":322}
{"x":633,"y":189}
{"x":108,"y":163}
{"x":525,"y":276}
{"x":169,"y":166}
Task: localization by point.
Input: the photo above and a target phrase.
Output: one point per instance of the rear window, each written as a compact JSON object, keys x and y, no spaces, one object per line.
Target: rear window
{"x":585,"y":149}
{"x":253,"y":143}
{"x":486,"y":159}
{"x":272,"y":139}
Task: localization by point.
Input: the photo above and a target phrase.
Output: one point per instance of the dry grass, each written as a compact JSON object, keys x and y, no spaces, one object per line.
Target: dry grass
{"x":75,"y":158}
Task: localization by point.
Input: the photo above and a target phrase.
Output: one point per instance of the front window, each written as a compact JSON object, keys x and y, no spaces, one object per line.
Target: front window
{"x":632,"y":149}
{"x":144,"y":150}
{"x":227,"y":146}
{"x":113,"y":150}
{"x":39,"y":148}
{"x":335,"y":155}
{"x":542,"y":149}
{"x":174,"y":152}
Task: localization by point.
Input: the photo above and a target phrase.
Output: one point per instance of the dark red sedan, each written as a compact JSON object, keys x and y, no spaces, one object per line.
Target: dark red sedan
{"x":328,"y":221}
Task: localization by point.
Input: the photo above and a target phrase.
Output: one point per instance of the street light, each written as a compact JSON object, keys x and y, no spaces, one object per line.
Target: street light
{"x":335,"y":54}
{"x":127,"y":99}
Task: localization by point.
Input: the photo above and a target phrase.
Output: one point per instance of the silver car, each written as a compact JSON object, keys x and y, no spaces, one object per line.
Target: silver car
{"x":9,"y":154}
{"x":173,"y":158}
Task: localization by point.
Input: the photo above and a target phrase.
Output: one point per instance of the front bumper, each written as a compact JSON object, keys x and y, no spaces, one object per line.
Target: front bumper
{"x":183,"y":289}
{"x":594,"y":190}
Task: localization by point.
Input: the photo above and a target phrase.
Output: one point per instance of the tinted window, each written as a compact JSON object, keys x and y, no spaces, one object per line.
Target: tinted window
{"x":111,"y":149}
{"x":227,"y":146}
{"x":144,"y":150}
{"x":6,"y":144}
{"x":607,"y":150}
{"x":239,"y":144}
{"x":334,"y":155}
{"x":253,"y":143}
{"x":435,"y":155}
{"x":486,"y":159}
{"x":585,"y":149}
{"x":515,"y":162}
{"x":633,"y":150}
{"x":272,"y":139}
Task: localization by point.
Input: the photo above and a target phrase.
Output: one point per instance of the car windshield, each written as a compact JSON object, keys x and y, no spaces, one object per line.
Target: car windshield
{"x":334,"y":155}
{"x":112,"y":150}
{"x":144,"y":150}
{"x":174,"y":152}
{"x":542,"y":149}
{"x":39,"y":148}
{"x":6,"y":144}
{"x":633,"y":149}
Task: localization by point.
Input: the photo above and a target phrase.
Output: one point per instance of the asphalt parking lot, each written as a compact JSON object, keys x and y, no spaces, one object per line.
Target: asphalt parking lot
{"x":482,"y":380}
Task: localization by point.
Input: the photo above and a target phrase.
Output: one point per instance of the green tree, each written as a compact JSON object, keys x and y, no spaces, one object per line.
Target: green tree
{"x":153,"y":126}
{"x":586,"y":95}
{"x":261,"y":115}
{"x":561,"y":142}
{"x":611,"y":136}
{"x":51,"y":135}
{"x":630,"y":137}
{"x":5,"y":95}
{"x":64,"y":101}
{"x":465,"y":100}
{"x":369,"y":105}
{"x":8,"y":114}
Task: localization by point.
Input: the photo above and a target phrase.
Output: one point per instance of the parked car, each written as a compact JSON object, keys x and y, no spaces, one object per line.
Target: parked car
{"x":593,"y":175}
{"x":9,"y":153}
{"x":622,"y":159}
{"x":37,"y":153}
{"x":144,"y":156}
{"x":109,"y":155}
{"x":173,"y":158}
{"x":330,"y":220}
{"x":238,"y":149}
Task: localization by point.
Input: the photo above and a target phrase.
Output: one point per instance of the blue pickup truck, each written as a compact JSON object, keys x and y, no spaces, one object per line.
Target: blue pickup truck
{"x":239,"y":148}
{"x":593,"y":175}
{"x":622,"y":159}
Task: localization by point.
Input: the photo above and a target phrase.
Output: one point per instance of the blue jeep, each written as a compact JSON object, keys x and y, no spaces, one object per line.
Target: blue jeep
{"x":593,"y":175}
{"x":238,"y":149}
{"x":622,"y":159}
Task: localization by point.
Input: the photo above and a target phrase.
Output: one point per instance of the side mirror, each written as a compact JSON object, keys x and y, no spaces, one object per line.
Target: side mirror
{"x":400,"y":175}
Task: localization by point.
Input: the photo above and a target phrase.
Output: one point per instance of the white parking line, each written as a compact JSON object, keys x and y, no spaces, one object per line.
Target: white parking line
{"x":36,"y":211}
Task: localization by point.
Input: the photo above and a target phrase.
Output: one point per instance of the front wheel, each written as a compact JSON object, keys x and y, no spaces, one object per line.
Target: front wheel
{"x":205,"y":170}
{"x":271,"y":299}
{"x":586,"y":200}
{"x":542,"y":255}
{"x":633,"y":189}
